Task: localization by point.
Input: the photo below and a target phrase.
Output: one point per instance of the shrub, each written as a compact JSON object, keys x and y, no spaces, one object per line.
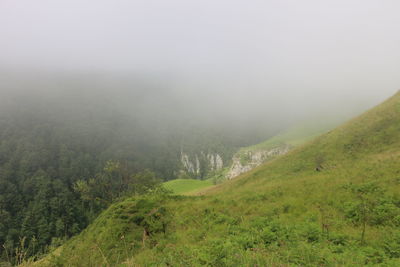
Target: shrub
{"x":392,"y":244}
{"x":311,"y":232}
{"x":268,"y":236}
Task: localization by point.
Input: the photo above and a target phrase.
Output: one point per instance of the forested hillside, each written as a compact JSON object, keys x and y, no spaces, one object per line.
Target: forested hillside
{"x":44,"y":152}
{"x":333,"y":201}
{"x":67,"y":154}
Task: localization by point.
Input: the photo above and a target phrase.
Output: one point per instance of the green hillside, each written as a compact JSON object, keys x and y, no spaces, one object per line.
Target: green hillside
{"x":294,"y":136}
{"x":181,"y":186}
{"x":334,"y":201}
{"x":298,"y":134}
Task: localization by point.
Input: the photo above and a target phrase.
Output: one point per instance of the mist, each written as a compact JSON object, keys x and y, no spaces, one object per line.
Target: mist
{"x":255,"y":66}
{"x":147,"y":108}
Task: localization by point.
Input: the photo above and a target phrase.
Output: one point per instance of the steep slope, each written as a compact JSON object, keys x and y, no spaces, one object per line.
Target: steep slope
{"x":250,"y":157}
{"x":333,"y":201}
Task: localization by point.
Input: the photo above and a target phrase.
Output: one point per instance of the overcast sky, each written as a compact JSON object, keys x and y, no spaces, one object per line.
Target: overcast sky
{"x":329,"y":52}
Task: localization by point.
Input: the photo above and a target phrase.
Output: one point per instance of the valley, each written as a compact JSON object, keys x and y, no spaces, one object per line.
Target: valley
{"x":199,"y":133}
{"x":281,"y":213}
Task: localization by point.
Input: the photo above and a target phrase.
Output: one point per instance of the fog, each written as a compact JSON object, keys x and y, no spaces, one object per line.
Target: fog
{"x":246,"y":64}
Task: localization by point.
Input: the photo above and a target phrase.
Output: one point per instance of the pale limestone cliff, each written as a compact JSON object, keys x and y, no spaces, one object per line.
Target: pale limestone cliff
{"x":245,"y":161}
{"x":192,"y":165}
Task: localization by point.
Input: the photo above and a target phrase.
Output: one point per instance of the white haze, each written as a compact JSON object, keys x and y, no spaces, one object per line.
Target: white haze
{"x":233,"y":61}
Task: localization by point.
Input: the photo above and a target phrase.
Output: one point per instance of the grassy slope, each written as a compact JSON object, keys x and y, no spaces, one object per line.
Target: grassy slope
{"x":294,"y":136}
{"x":182,"y":186}
{"x":297,"y":135}
{"x":282,"y":213}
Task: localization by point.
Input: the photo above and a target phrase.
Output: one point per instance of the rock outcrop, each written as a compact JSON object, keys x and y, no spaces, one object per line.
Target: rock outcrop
{"x":190,"y":166}
{"x":201,"y":163}
{"x":247,"y":160}
{"x":215,"y":162}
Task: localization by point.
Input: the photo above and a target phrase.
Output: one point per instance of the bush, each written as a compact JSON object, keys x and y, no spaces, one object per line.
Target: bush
{"x":338,"y":239}
{"x":311,"y":232}
{"x":268,"y":236}
{"x":392,"y":244}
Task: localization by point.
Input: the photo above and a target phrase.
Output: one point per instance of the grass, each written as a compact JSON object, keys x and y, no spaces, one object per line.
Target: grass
{"x":297,"y":135}
{"x":283,"y":213}
{"x":185,"y":186}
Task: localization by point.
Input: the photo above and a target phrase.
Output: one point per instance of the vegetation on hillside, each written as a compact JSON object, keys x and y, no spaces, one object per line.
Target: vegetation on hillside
{"x":297,"y":135}
{"x":55,"y":152}
{"x":333,"y":201}
{"x":183,"y":186}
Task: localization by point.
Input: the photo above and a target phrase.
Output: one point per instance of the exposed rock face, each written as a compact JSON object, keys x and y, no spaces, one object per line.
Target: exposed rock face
{"x":215,"y":162}
{"x":189,"y":165}
{"x":200,"y":164}
{"x":246,"y":161}
{"x":195,"y":164}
